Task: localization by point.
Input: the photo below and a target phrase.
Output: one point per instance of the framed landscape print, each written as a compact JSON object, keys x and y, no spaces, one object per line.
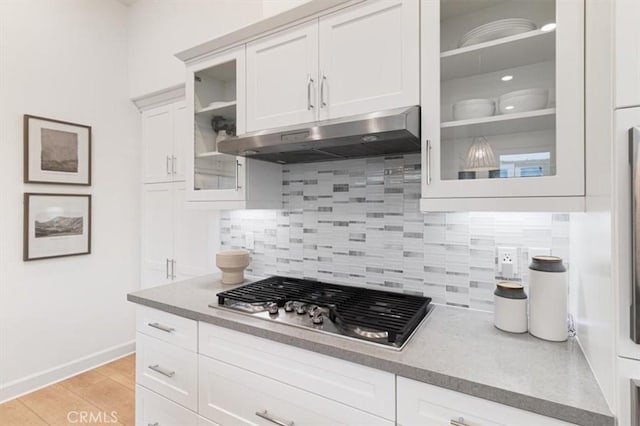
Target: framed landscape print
{"x":56,"y":152}
{"x":56,"y":225}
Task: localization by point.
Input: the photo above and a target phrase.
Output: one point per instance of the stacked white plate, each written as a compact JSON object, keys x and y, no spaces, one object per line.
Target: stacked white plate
{"x":473,"y":108}
{"x":523,"y":100}
{"x":497,"y":29}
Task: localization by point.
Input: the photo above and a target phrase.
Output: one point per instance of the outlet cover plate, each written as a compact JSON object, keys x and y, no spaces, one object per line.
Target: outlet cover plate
{"x":508,"y":256}
{"x":249,"y":241}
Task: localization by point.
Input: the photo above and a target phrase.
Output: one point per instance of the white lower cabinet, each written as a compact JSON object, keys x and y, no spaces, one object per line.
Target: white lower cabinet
{"x":427,"y":405}
{"x":167,"y":369}
{"x":345,"y":382}
{"x":171,"y":328}
{"x":234,"y":396}
{"x":195,"y":373}
{"x":153,"y":409}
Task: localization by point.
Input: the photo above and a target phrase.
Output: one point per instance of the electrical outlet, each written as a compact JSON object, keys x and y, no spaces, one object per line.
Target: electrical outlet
{"x":537,"y":251}
{"x":249,"y":242}
{"x":507,"y":261}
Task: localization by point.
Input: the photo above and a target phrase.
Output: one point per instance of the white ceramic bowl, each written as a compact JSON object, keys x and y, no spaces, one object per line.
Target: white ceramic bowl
{"x":232,"y":264}
{"x":523,"y":100}
{"x":473,"y":108}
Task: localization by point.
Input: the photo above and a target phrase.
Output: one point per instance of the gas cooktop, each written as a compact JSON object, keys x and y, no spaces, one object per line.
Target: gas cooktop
{"x":375,"y":316}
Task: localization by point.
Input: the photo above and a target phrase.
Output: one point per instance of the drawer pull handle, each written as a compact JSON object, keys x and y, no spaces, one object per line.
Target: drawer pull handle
{"x":162,"y":371}
{"x":161,"y":327}
{"x":153,"y":424}
{"x":459,"y":422}
{"x":265,"y":415}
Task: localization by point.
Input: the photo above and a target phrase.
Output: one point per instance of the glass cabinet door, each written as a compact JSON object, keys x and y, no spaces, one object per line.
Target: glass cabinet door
{"x":508,"y":117}
{"x":213,"y":91}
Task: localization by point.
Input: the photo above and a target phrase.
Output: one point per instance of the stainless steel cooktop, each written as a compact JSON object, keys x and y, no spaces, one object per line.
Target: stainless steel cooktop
{"x":380,"y":317}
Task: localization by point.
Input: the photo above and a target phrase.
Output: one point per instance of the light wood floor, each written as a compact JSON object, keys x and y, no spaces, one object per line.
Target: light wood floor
{"x":105,"y":395}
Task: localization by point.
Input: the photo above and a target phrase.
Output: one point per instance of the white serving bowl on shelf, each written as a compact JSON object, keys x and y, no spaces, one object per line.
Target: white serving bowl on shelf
{"x":473,"y":108}
{"x":523,"y":100}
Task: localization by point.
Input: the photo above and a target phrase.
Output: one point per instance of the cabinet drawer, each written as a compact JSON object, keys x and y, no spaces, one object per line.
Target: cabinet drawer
{"x":423,"y":404}
{"x":230,"y":395}
{"x":170,"y":328}
{"x":153,"y":409}
{"x":169,"y":370}
{"x":205,"y":422}
{"x":351,"y":384}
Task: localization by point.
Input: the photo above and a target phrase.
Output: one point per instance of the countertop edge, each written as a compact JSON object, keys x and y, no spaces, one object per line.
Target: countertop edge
{"x":516,"y":400}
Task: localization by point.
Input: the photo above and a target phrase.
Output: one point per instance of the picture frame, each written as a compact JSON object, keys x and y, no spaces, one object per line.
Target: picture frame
{"x":56,"y":152}
{"x":56,"y":225}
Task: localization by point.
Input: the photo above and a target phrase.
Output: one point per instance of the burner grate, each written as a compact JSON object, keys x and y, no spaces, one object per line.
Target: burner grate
{"x":396,"y":314}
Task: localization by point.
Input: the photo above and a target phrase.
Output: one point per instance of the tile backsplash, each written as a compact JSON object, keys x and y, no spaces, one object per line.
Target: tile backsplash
{"x":358,"y":222}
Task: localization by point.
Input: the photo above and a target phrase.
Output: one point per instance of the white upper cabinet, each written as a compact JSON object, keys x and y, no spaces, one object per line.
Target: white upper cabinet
{"x":627,"y":53}
{"x":502,"y":105}
{"x":369,"y":58}
{"x":179,"y":135}
{"x":361,"y":59}
{"x":215,"y":93}
{"x":162,"y":132}
{"x":282,"y":78}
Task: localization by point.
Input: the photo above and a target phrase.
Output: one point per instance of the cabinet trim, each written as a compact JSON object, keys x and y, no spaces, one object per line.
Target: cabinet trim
{"x":309,"y":10}
{"x":512,"y":204}
{"x":159,"y":98}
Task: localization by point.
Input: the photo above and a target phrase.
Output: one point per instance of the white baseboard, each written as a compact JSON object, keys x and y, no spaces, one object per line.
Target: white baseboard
{"x":45,"y":378}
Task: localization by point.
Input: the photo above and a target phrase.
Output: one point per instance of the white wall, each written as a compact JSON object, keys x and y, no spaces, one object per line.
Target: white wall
{"x":273,"y":7}
{"x":159,"y":29}
{"x":66,"y":59}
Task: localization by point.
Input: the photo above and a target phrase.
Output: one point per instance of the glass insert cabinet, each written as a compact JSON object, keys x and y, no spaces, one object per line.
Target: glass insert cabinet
{"x":215,"y":93}
{"x":502,"y":101}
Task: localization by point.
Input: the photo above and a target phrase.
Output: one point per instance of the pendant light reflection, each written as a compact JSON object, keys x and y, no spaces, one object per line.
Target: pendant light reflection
{"x":480,"y":156}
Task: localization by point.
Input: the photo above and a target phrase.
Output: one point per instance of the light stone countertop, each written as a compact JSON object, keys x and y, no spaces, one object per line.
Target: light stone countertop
{"x":457,"y":349}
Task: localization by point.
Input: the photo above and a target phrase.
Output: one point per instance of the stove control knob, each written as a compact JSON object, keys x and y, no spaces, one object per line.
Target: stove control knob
{"x":311,"y":309}
{"x":272,"y":307}
{"x":317,"y":317}
{"x":288,"y":306}
{"x":301,"y":309}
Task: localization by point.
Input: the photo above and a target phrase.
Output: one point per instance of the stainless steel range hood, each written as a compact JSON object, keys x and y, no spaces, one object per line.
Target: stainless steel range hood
{"x":395,"y":131}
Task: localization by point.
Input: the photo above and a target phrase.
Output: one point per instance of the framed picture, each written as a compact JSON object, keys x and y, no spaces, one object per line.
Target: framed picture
{"x":56,"y":152}
{"x":56,"y":225}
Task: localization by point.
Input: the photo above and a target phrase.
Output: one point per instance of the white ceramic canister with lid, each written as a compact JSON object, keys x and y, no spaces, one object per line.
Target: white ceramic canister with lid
{"x":510,"y":307}
{"x":548,"y":294}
